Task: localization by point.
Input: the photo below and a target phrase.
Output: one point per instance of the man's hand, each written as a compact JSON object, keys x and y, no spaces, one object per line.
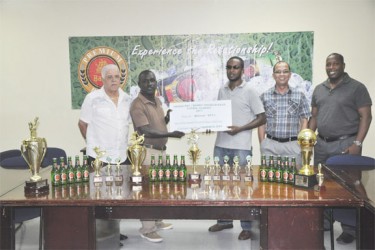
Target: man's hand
{"x":166,"y":118}
{"x":177,"y":134}
{"x":233,"y":130}
{"x":353,"y":150}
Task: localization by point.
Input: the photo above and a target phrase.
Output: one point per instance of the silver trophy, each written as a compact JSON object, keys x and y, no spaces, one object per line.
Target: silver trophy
{"x":249,"y":170}
{"x":109,"y":177}
{"x":236,"y":169}
{"x":217,"y":167}
{"x":207,"y":168}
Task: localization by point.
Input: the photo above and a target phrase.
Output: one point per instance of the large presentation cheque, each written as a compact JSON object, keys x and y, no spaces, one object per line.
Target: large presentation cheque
{"x":201,"y":116}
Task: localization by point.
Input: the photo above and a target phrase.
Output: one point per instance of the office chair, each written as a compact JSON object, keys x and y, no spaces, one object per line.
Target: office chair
{"x":347,"y":162}
{"x":12,"y":159}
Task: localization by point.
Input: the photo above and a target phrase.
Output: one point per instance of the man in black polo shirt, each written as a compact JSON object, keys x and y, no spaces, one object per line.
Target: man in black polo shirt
{"x":341,"y":111}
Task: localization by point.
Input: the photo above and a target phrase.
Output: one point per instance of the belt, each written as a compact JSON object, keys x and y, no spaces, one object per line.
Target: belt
{"x":293,"y":138}
{"x":331,"y":139}
{"x":155,"y":147}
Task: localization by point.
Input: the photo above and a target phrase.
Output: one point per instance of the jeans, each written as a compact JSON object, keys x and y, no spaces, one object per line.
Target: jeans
{"x":231,"y":153}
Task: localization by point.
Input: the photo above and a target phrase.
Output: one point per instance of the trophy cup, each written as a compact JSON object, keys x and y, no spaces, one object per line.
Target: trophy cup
{"x":109,"y":177}
{"x":118,"y":178}
{"x":207,"y":168}
{"x":136,"y":154}
{"x":194,"y":153}
{"x":320,"y":179}
{"x":97,"y":164}
{"x":236,"y":169}
{"x":306,"y":175}
{"x":226,"y":169}
{"x":33,"y":151}
{"x":216,"y":176}
{"x":249,"y":170}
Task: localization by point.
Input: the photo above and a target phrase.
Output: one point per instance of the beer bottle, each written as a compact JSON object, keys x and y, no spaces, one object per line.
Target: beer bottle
{"x":55,"y":174}
{"x":263,"y":169}
{"x":175,"y":169}
{"x":160,"y":168}
{"x":70,"y":171}
{"x":278,"y":170}
{"x":183,"y":171}
{"x":286,"y":170}
{"x":85,"y":170}
{"x":152,"y":174}
{"x":271,"y":170}
{"x":167,"y":169}
{"x":292,"y":171}
{"x":63,"y":172}
{"x":78,"y":170}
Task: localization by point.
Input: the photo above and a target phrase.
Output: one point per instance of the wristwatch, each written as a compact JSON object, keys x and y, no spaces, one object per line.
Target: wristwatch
{"x":358,"y":143}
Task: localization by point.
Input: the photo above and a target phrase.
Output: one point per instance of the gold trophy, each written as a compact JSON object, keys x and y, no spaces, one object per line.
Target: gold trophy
{"x":136,"y":154}
{"x":236,"y":169}
{"x":194,"y":153}
{"x":306,"y":175}
{"x":97,"y":164}
{"x":226,"y":169}
{"x":33,"y":151}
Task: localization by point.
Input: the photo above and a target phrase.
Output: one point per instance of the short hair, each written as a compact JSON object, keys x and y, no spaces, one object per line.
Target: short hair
{"x":238,"y":58}
{"x":274,"y":66}
{"x":144,"y":72}
{"x":339,"y":56}
{"x":108,"y":67}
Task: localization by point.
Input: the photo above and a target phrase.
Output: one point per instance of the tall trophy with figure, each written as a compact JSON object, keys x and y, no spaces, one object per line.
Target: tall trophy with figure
{"x":136,"y":154}
{"x":306,"y":176}
{"x":97,"y":164}
{"x":194,"y":153}
{"x":33,"y":151}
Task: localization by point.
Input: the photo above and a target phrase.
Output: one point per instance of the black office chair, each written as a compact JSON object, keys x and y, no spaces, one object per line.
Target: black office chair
{"x":347,"y":162}
{"x":12,"y":159}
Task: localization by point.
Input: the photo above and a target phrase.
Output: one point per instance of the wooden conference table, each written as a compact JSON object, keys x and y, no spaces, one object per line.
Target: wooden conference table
{"x":290,"y":217}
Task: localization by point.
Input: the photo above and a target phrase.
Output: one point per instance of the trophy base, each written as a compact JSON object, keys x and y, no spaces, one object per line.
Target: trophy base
{"x":318,"y":188}
{"x":119,"y":180}
{"x":109,"y":180}
{"x":36,"y":187}
{"x":249,"y":178}
{"x":207,"y":177}
{"x":98,"y":181}
{"x":225,"y":178}
{"x":305,"y":181}
{"x":236,"y":178}
{"x":217,"y":178}
{"x":136,"y":179}
{"x":194,"y":178}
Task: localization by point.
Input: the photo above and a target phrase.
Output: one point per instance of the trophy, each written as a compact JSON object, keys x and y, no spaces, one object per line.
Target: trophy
{"x":118,"y":178}
{"x":236,"y":169}
{"x":33,"y":151}
{"x":306,"y":175}
{"x":217,"y":168}
{"x":320,"y":179}
{"x":226,"y":169}
{"x":207,"y":168}
{"x":249,"y":170}
{"x":97,"y":164}
{"x":109,"y":177}
{"x":136,"y":154}
{"x":194,"y":153}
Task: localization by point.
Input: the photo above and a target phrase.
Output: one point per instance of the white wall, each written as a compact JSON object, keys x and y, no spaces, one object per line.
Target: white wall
{"x":34,"y":50}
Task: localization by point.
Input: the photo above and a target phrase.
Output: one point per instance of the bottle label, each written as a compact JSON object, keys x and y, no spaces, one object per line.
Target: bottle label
{"x":79,"y":175}
{"x":161,"y":174}
{"x":168,"y":173}
{"x":182,"y":174}
{"x":71,"y":176}
{"x":263,"y":173}
{"x":86,"y":174}
{"x":57,"y":178}
{"x":63,"y":177}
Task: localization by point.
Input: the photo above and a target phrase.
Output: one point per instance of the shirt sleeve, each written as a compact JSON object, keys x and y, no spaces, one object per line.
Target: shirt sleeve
{"x":86,"y":109}
{"x":305,"y":107}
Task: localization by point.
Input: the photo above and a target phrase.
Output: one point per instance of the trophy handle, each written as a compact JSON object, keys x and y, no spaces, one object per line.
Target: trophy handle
{"x":45,"y":148}
{"x":22,"y":153}
{"x":144,"y":156}
{"x":130,"y":159}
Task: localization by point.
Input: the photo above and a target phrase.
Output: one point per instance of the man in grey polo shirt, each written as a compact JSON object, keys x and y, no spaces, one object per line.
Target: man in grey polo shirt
{"x":341,"y":111}
{"x":247,"y":113}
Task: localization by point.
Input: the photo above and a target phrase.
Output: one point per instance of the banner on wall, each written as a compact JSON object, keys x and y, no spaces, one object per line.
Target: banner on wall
{"x":189,"y":67}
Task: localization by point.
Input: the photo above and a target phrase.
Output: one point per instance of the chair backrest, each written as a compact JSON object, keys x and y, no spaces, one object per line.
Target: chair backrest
{"x":12,"y":159}
{"x":361,"y":162}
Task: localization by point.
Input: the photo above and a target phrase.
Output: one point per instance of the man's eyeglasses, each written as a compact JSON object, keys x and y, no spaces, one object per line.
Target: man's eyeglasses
{"x":285,"y":72}
{"x":233,"y":67}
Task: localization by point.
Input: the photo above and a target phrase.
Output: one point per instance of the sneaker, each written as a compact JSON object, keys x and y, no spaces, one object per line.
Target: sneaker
{"x":152,"y":236}
{"x":219,"y":227}
{"x":163,"y":226}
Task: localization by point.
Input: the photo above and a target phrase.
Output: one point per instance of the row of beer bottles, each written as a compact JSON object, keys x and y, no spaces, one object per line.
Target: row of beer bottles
{"x":167,"y":172}
{"x":282,"y":171}
{"x":62,"y":173}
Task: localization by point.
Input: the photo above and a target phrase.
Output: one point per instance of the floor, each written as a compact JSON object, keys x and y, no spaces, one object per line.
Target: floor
{"x":186,"y":235}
